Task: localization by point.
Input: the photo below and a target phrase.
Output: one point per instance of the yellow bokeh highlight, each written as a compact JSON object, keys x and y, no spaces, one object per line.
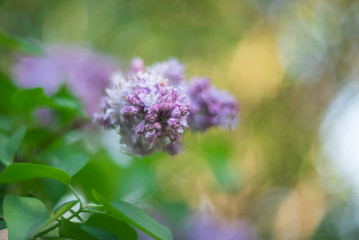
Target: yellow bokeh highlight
{"x":256,"y":70}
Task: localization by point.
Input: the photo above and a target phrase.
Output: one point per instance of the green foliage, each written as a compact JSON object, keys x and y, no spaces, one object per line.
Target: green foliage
{"x":8,"y":151}
{"x":25,"y":100}
{"x":18,"y":44}
{"x":24,"y":144}
{"x":7,"y":89}
{"x":136,"y":217}
{"x":113,"y":225}
{"x":24,"y":216}
{"x":61,"y":210}
{"x":23,"y":171}
{"x":73,"y":163}
{"x":73,"y":231}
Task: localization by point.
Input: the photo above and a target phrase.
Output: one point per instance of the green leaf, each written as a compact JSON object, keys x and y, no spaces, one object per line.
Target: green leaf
{"x":100,"y":233}
{"x":24,"y":216}
{"x":28,"y":99}
{"x":65,"y":103}
{"x":73,"y":163}
{"x":18,"y":44}
{"x":7,"y":89}
{"x":6,"y":123}
{"x":136,"y":217}
{"x":15,"y":141}
{"x":8,"y":152}
{"x":3,"y":152}
{"x":119,"y":228}
{"x":61,"y":210}
{"x":218,"y":152}
{"x":71,"y":230}
{"x":24,"y":171}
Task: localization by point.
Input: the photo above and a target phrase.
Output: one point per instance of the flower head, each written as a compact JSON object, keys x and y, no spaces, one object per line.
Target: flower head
{"x":136,"y":65}
{"x":148,"y":113}
{"x":171,"y":69}
{"x":210,"y":106}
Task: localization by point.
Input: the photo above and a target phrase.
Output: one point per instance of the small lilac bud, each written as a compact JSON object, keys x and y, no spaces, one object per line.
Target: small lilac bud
{"x":140,"y":128}
{"x":157,"y":125}
{"x":172,"y":122}
{"x":129,"y":110}
{"x":151,"y":117}
{"x":176,"y":112}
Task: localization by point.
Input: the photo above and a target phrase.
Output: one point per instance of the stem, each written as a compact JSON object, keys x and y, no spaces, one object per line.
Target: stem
{"x":94,"y":211}
{"x":4,"y":162}
{"x":77,"y":216}
{"x":74,"y":214}
{"x":47,"y":230}
{"x":76,"y":195}
{"x":93,"y":205}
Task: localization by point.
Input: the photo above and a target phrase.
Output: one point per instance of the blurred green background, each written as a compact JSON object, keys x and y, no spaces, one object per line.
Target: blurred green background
{"x":283,"y":60}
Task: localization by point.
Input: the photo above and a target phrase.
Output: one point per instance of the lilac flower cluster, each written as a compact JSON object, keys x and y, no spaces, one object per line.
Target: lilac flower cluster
{"x":85,"y":73}
{"x":171,"y":69}
{"x":151,"y":107}
{"x":210,"y":106}
{"x":148,"y":112}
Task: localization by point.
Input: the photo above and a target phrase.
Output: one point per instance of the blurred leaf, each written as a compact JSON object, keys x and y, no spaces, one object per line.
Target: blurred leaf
{"x":18,"y":44}
{"x":15,"y":141}
{"x":24,"y":171}
{"x":106,"y":172}
{"x":71,"y":230}
{"x":62,"y":209}
{"x":73,"y":163}
{"x":100,"y":233}
{"x":28,"y":99}
{"x":65,"y":103}
{"x":328,"y":227}
{"x":217,"y":153}
{"x":8,"y":150}
{"x":24,"y":216}
{"x":4,"y":159}
{"x":6,"y":124}
{"x":136,"y":217}
{"x":2,"y":206}
{"x":7,"y":89}
{"x":119,"y":228}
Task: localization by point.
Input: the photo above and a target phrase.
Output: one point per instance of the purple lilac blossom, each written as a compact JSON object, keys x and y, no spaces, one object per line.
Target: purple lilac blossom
{"x":171,"y":69}
{"x":136,"y":66}
{"x":148,"y":113}
{"x":204,"y":226}
{"x":85,"y":73}
{"x":210,"y":106}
